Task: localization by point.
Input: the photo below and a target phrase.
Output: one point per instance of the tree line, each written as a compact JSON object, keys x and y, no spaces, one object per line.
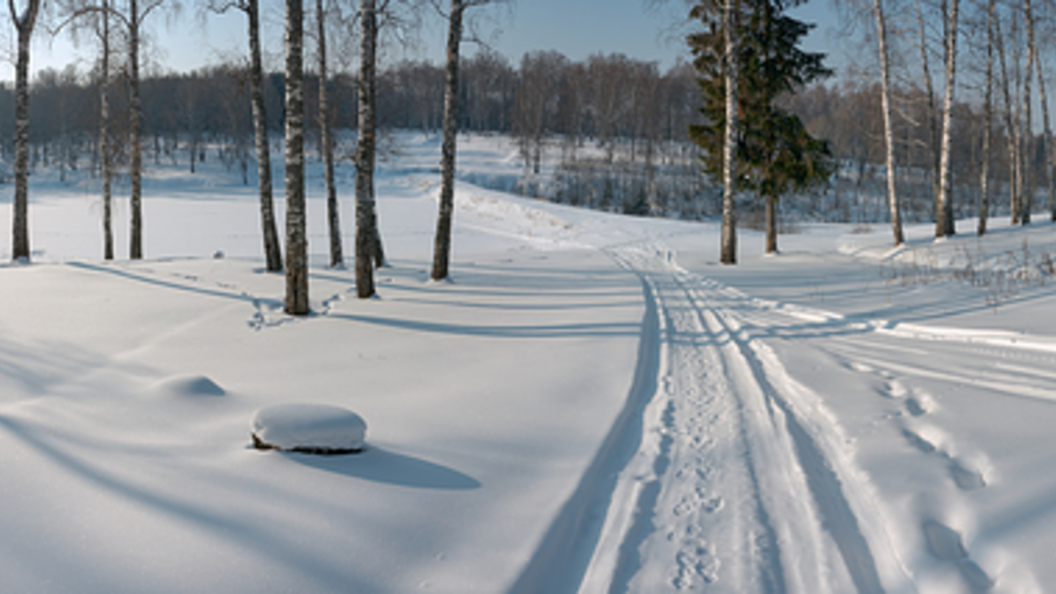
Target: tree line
{"x":618,"y":125}
{"x":608,"y":99}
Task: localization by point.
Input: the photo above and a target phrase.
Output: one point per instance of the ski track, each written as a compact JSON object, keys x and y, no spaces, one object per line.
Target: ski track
{"x":734,"y":477}
{"x":738,"y":484}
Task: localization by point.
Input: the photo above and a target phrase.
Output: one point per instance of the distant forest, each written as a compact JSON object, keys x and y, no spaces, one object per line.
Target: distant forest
{"x":631,"y":114}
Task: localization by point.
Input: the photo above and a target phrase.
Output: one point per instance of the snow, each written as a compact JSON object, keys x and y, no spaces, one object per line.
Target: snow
{"x":310,"y":428}
{"x":591,"y":404}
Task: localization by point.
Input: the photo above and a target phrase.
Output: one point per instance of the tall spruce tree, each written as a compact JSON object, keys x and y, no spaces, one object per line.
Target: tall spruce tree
{"x":774,"y":152}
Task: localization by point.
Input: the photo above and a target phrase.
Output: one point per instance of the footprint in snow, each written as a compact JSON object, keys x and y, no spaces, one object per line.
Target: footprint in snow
{"x":966,"y":471}
{"x":695,"y":564}
{"x":861,"y":367}
{"x":947,"y":544}
{"x":920,"y":403}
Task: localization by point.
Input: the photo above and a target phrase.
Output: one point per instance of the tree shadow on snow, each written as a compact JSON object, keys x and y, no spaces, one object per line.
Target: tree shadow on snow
{"x":388,"y":467}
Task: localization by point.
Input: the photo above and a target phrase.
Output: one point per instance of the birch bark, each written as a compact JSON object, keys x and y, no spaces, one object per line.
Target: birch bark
{"x":24,"y":23}
{"x":296,"y":233}
{"x":944,"y":226}
{"x":272,"y":249}
{"x":365,"y":152}
{"x":728,"y":245}
{"x":889,"y":131}
{"x":988,"y":122}
{"x":442,"y":245}
{"x":326,"y":145}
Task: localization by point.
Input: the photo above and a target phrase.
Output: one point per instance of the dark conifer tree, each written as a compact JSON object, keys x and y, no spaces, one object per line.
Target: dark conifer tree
{"x":775,"y":153}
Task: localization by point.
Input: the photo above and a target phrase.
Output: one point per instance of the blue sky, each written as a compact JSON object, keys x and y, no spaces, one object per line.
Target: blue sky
{"x":576,"y":28}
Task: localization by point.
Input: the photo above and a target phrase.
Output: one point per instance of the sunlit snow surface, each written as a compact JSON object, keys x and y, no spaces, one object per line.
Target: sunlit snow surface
{"x":590,"y":404}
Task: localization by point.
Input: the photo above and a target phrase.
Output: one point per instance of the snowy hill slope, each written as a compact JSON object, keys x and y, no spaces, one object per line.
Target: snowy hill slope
{"x":592,"y":404}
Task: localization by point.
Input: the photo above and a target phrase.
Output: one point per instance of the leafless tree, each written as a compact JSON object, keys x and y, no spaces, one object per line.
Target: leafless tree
{"x":366,"y":221}
{"x":728,"y":246}
{"x":272,"y":249}
{"x":24,"y":21}
{"x":326,"y":143}
{"x":442,"y":245}
{"x":889,"y":128}
{"x":296,"y":226}
{"x":944,"y":225}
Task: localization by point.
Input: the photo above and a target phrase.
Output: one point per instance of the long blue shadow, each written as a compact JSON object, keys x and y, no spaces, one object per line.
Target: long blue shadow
{"x":383,"y":466}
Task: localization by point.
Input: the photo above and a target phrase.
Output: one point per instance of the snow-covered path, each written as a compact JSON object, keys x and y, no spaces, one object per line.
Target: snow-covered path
{"x":738,"y":482}
{"x":743,"y":480}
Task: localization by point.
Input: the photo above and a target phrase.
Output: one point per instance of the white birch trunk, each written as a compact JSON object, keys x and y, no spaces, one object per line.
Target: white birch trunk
{"x":326,"y":145}
{"x":933,"y":124}
{"x":1043,"y":99}
{"x":1012,"y":135}
{"x":24,"y":24}
{"x":988,"y":123}
{"x":296,"y":228}
{"x":944,"y":226}
{"x":442,"y":244}
{"x":889,"y":131}
{"x":272,"y":249}
{"x":1026,"y":200}
{"x":365,"y":151}
{"x":135,"y":242}
{"x":104,"y":138}
{"x":728,"y":245}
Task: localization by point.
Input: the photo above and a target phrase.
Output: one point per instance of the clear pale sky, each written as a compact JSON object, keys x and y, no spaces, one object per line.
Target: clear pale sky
{"x":576,"y":28}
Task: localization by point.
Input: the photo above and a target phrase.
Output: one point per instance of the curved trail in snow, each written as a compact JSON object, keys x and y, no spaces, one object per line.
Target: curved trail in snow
{"x":724,"y":473}
{"x":745,"y":487}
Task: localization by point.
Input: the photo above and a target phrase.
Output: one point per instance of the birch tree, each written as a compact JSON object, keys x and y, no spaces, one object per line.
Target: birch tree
{"x":442,"y":243}
{"x":944,"y":223}
{"x":1026,"y":200}
{"x":272,"y":249}
{"x":366,"y":230}
{"x":105,"y":152}
{"x":988,"y":121}
{"x":1011,"y":127}
{"x":934,"y":131}
{"x":716,"y":55}
{"x":728,"y":245}
{"x":96,"y":18}
{"x":296,"y":231}
{"x":24,"y":21}
{"x":889,"y":131}
{"x":370,"y":253}
{"x":133,"y":20}
{"x":326,"y":143}
{"x":1046,"y":140}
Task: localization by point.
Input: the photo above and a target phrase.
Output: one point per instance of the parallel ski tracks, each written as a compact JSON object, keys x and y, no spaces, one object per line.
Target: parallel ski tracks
{"x":738,"y":484}
{"x":726,"y":474}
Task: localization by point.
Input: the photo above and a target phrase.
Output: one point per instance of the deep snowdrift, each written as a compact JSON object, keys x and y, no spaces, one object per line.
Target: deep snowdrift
{"x":591,"y":404}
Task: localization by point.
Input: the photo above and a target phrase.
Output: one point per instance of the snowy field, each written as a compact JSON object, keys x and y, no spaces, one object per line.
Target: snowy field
{"x":592,"y":404}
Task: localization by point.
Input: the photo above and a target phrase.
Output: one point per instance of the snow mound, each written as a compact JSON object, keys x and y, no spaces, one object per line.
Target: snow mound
{"x":190,"y":385}
{"x":309,"y":428}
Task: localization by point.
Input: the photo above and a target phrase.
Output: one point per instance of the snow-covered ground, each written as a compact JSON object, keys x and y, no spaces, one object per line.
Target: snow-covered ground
{"x":591,"y":404}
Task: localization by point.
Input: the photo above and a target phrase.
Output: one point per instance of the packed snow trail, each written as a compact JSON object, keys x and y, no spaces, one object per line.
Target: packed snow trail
{"x":728,"y":474}
{"x":737,"y":482}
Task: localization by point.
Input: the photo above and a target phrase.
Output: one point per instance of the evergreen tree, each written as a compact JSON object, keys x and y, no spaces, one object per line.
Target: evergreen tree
{"x":774,"y":152}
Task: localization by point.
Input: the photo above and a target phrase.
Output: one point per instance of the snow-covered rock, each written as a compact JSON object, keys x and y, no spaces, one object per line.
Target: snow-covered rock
{"x":309,"y":428}
{"x":189,"y":385}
